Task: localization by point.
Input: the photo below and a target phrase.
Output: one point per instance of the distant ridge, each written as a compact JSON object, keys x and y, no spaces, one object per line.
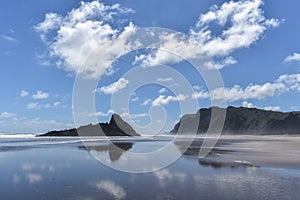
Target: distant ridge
{"x":116,"y":127}
{"x":241,"y":120}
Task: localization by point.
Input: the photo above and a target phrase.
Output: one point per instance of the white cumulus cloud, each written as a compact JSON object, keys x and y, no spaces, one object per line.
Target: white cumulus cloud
{"x":166,"y":79}
{"x":40,"y":95}
{"x":24,"y":93}
{"x":202,"y":94}
{"x":273,"y":108}
{"x":33,"y":106}
{"x":127,"y":115}
{"x":162,"y":90}
{"x":81,"y":31}
{"x":219,"y":65}
{"x":146,"y":102}
{"x":293,"y":58}
{"x":292,"y":81}
{"x":247,"y":24}
{"x":55,"y":104}
{"x":114,"y":87}
{"x":102,"y":114}
{"x":165,"y":100}
{"x":248,"y":104}
{"x":36,"y":105}
{"x":7,"y":115}
{"x":252,"y":91}
{"x":134,"y":99}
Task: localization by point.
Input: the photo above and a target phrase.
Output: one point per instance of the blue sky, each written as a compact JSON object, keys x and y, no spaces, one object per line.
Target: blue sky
{"x":254,"y":45}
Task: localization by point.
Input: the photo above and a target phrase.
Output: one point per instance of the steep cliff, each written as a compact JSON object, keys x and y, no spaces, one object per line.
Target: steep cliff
{"x":241,"y":120}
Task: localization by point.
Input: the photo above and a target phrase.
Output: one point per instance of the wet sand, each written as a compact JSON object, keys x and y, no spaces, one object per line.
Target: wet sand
{"x":242,"y":167}
{"x":259,"y":151}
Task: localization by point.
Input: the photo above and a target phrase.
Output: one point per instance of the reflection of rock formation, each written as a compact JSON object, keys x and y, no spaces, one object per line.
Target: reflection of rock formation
{"x":217,"y":163}
{"x":114,"y":149}
{"x":193,"y":149}
{"x":15,"y":148}
{"x":216,"y":158}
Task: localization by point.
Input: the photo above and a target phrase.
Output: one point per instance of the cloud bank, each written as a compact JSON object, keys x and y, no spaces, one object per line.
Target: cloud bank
{"x":71,"y":38}
{"x":284,"y":83}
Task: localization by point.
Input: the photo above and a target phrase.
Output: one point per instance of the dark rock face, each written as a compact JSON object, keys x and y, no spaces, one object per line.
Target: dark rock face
{"x":117,"y":124}
{"x":241,"y":120}
{"x":116,"y":127}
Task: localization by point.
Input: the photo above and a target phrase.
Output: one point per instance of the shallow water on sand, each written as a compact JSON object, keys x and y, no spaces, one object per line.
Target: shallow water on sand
{"x":63,"y":168}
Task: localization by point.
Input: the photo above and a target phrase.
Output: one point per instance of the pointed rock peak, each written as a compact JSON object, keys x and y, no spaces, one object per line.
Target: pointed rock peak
{"x":115,"y":118}
{"x":117,"y":121}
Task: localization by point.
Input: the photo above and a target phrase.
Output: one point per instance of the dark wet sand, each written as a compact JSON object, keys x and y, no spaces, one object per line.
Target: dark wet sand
{"x":258,"y":151}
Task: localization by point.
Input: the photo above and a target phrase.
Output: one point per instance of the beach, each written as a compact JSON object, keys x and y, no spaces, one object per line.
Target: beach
{"x":250,"y":167}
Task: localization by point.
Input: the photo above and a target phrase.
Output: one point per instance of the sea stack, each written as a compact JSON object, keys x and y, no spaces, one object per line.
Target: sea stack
{"x":116,"y":127}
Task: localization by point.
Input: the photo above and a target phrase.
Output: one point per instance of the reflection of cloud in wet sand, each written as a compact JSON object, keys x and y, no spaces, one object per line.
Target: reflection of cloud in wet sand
{"x":165,"y":175}
{"x":34,"y":178}
{"x":16,"y":179}
{"x":252,"y":184}
{"x":33,"y":166}
{"x":27,"y":166}
{"x":110,"y":187}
